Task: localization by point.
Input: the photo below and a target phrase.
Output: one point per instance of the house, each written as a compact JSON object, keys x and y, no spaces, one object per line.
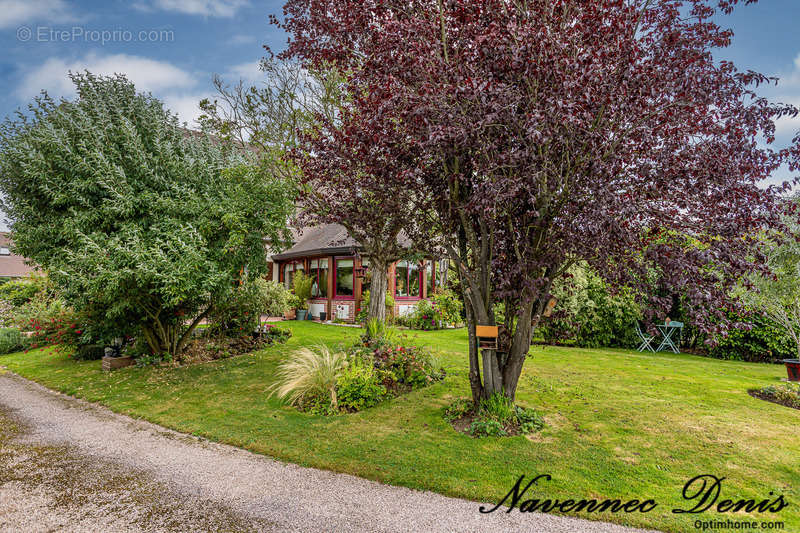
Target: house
{"x":332,"y":258}
{"x":11,"y":264}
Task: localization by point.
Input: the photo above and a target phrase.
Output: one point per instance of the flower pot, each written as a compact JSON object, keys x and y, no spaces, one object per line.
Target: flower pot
{"x":322,"y":316}
{"x":113,"y":363}
{"x":793,"y":369}
{"x":301,"y":314}
{"x":289,"y":315}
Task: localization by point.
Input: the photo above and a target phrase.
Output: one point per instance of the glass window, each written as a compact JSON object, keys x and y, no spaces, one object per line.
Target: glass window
{"x":5,"y":251}
{"x":289,"y":270}
{"x":318,"y":270}
{"x":401,"y":278}
{"x":430,"y":277}
{"x":408,"y":279}
{"x":414,"y":279}
{"x":344,"y":277}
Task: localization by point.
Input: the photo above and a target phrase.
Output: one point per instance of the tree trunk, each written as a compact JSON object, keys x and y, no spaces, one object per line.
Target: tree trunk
{"x":474,"y":364}
{"x":377,"y":289}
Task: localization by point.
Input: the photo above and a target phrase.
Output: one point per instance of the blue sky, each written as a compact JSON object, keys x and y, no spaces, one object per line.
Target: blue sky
{"x":184,"y":42}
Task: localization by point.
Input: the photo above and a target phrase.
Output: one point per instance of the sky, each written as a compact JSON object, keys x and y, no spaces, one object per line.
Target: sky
{"x":173,"y":48}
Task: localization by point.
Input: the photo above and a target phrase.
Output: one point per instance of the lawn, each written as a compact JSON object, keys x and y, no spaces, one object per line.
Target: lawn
{"x":620,"y":424}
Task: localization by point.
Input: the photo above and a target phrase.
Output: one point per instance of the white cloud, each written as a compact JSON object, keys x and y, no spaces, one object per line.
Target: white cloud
{"x":177,"y":88}
{"x":249,"y":72}
{"x":16,"y":12}
{"x":242,"y":39}
{"x":147,"y":74}
{"x":208,"y":8}
{"x":186,"y":106}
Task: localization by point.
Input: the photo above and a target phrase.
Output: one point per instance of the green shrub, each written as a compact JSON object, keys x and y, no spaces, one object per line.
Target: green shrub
{"x":487,"y":428}
{"x":277,"y":334}
{"x":496,"y":416}
{"x":529,"y":421}
{"x":448,"y":305}
{"x":152,"y":359}
{"x":764,"y":342}
{"x":20,"y":291}
{"x":458,"y":409}
{"x":589,"y":314}
{"x":358,"y":387}
{"x":497,"y":407}
{"x":239,"y":312}
{"x":302,"y":289}
{"x":276,"y":298}
{"x":89,"y":352}
{"x":10,"y":340}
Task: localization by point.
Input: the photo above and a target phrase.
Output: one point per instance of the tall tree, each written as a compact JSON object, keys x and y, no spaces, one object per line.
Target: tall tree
{"x":137,"y":220}
{"x":554,"y":131}
{"x":300,"y":118}
{"x":778,"y":295}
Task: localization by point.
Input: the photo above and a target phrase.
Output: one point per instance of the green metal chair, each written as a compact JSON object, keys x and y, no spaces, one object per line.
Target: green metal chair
{"x":646,"y":339}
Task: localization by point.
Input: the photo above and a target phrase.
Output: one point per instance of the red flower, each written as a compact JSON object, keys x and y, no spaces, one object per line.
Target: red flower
{"x":78,"y":332}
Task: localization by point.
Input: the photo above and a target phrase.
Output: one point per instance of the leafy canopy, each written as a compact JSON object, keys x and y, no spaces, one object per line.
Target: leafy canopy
{"x":139,"y":220}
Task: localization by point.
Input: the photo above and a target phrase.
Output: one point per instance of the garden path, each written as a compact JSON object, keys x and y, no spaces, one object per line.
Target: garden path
{"x":68,"y":465}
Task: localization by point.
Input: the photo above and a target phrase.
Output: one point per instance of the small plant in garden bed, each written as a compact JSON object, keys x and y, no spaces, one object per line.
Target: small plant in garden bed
{"x":787,"y":394}
{"x":495,"y":417}
{"x":356,"y":377}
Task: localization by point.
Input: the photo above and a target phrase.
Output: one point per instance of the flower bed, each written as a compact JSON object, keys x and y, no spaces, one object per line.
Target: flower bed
{"x":787,"y":394}
{"x":494,"y":417}
{"x":355,"y":377}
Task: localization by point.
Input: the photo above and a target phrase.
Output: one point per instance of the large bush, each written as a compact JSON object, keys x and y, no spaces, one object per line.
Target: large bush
{"x":133,"y":216}
{"x":588,"y":313}
{"x":10,"y":340}
{"x":239,"y":311}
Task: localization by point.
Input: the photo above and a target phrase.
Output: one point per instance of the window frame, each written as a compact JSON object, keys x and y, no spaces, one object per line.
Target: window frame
{"x":336,"y":295}
{"x":292,"y":262}
{"x":327,"y":269}
{"x":420,"y":270}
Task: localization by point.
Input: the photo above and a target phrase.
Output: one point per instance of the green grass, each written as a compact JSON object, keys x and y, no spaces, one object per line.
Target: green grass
{"x":620,"y":424}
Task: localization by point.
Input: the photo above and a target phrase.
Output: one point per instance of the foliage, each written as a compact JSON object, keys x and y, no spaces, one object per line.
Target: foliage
{"x":277,"y":299}
{"x":757,"y":338}
{"x":787,"y":394}
{"x":619,"y":141}
{"x":89,"y":352}
{"x":152,"y":359}
{"x":358,"y":387}
{"x":310,"y":373}
{"x":277,"y":334}
{"x":588,"y":313}
{"x":442,"y":309}
{"x":448,"y":305}
{"x":495,"y":416}
{"x":302,"y":289}
{"x":778,"y":295}
{"x":378,"y":331}
{"x":130,"y":214}
{"x":20,"y":291}
{"x":10,"y":340}
{"x":239,"y":311}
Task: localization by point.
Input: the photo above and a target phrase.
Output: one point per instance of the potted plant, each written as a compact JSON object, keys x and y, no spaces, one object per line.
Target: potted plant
{"x":792,"y":368}
{"x":302,"y":293}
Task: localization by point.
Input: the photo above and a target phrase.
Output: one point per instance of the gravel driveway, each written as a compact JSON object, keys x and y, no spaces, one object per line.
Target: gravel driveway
{"x":67,"y":465}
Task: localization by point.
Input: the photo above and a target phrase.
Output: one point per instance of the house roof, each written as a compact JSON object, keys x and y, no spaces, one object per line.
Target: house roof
{"x":13,"y":265}
{"x":328,"y":239}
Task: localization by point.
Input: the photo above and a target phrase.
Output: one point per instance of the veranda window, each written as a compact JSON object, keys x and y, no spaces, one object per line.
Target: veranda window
{"x":318,"y":270}
{"x":289,"y":271}
{"x":408,"y":279}
{"x":344,"y":277}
